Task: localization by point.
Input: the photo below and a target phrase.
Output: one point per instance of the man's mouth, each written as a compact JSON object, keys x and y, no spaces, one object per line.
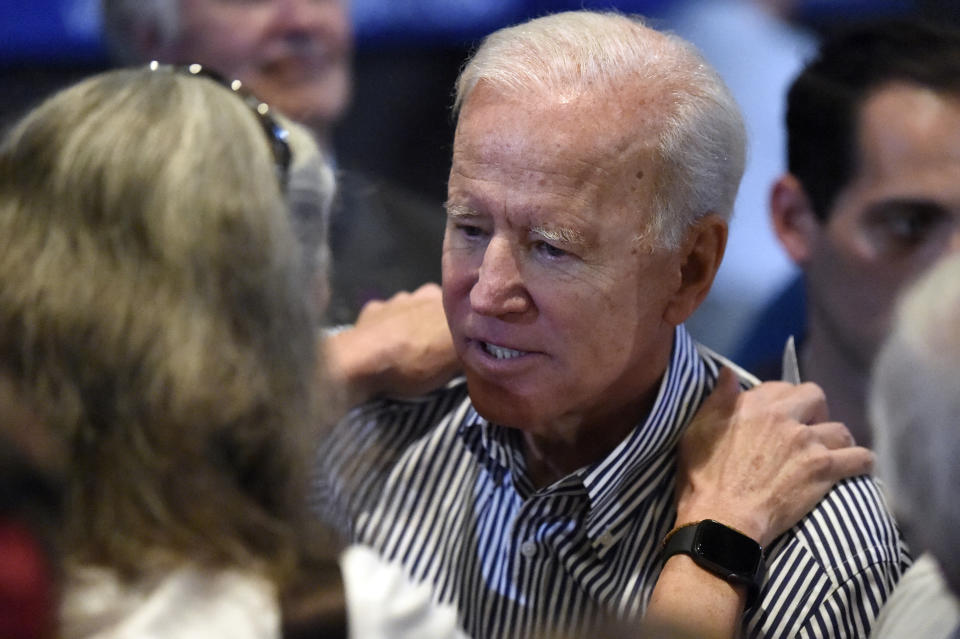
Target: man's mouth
{"x":500,"y":352}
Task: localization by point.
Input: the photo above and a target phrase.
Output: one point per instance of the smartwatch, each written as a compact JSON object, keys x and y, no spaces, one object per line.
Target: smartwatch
{"x":722,"y":550}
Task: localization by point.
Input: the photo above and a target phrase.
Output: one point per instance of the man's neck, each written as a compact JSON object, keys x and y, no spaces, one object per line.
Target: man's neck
{"x":565,"y":450}
{"x":842,"y":379}
{"x":554,"y":449}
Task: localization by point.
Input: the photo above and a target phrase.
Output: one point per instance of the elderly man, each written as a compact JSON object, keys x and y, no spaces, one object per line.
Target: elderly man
{"x":296,"y":55}
{"x":595,"y":163}
{"x":913,"y":408}
{"x":871,"y":200}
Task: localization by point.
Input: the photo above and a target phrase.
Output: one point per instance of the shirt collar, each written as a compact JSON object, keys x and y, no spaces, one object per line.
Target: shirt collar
{"x":495,"y":447}
{"x":499,"y":450}
{"x":633,"y":472}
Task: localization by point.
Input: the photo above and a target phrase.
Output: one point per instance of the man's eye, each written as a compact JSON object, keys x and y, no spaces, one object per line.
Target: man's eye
{"x":904,"y":225}
{"x":470,"y":230}
{"x":911,"y":226}
{"x":550,"y":250}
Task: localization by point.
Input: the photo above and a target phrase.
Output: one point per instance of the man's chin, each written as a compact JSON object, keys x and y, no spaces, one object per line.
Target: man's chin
{"x":498,"y":405}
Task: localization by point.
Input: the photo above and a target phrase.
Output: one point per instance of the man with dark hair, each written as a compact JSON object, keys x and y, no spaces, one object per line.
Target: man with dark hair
{"x":871,"y":199}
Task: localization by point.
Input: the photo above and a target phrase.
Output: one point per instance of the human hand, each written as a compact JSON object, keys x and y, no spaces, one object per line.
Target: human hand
{"x":400,"y":347}
{"x":761,"y":459}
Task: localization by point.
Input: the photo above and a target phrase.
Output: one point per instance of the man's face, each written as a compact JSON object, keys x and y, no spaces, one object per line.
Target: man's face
{"x":555,"y":300}
{"x":293,"y":54}
{"x":899,"y":213}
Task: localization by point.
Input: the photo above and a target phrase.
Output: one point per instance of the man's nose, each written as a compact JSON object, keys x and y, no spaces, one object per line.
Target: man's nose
{"x":499,"y":289}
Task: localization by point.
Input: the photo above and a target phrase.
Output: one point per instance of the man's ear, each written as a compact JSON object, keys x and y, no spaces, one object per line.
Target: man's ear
{"x":794,"y":220}
{"x":701,"y":255}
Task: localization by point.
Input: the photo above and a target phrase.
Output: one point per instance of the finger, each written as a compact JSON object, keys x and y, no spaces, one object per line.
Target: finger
{"x":430,"y":289}
{"x":371,"y":307}
{"x":813,"y":404}
{"x":833,"y":435}
{"x":850,"y":462}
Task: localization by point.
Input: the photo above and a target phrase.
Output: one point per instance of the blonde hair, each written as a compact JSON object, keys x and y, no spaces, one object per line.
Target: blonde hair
{"x":152,"y":311}
{"x":702,"y":139}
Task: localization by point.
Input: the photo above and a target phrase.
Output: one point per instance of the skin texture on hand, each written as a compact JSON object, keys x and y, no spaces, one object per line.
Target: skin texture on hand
{"x":399,"y":347}
{"x":761,"y":459}
{"x":758,"y":461}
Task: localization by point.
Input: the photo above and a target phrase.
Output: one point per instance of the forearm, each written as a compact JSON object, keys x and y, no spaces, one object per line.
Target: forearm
{"x":695,"y":601}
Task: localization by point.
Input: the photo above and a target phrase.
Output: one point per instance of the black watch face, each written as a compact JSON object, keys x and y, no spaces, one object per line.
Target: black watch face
{"x":735,"y":552}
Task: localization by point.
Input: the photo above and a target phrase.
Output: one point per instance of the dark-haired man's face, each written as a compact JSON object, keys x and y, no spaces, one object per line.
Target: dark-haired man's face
{"x":899,"y":214}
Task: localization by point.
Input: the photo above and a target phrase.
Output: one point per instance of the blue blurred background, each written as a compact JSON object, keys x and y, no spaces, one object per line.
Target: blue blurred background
{"x":68,"y":31}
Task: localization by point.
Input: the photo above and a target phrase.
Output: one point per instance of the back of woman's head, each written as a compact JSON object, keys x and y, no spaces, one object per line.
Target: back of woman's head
{"x":153,"y":312}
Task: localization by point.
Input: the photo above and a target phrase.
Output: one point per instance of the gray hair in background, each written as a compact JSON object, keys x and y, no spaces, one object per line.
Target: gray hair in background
{"x":702,"y":139}
{"x":914,"y":407}
{"x":310,"y":192}
{"x":126,"y":20}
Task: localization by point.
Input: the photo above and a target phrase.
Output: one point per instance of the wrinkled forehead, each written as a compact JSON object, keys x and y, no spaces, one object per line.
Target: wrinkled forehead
{"x":597,"y":136}
{"x":567,"y":162}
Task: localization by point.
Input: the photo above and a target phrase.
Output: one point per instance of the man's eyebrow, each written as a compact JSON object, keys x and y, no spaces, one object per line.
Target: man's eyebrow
{"x":564,"y":234}
{"x":455,"y":211}
{"x":912,"y":204}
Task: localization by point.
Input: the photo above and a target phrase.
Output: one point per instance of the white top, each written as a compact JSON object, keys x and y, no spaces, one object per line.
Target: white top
{"x":921,"y":606}
{"x":190,"y":603}
{"x":383,"y":604}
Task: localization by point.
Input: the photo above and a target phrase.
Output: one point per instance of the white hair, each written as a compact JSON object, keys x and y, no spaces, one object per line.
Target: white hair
{"x":702,"y":138}
{"x":123,"y":20}
{"x":310,"y":192}
{"x":914,"y":406}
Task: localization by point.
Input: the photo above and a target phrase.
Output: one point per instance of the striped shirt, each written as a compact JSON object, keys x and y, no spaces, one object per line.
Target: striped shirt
{"x":431,"y":484}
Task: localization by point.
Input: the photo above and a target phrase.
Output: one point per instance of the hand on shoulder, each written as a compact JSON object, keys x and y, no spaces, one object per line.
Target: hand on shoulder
{"x":761,"y":459}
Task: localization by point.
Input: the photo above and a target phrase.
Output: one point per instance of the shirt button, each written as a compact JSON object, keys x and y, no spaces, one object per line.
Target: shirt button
{"x":528,"y":549}
{"x":606,"y":539}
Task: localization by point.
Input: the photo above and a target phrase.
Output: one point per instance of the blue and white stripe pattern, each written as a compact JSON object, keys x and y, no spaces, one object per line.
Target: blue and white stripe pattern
{"x":432,"y":485}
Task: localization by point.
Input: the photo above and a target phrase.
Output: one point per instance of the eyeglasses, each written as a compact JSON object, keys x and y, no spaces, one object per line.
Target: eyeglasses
{"x":276,"y":134}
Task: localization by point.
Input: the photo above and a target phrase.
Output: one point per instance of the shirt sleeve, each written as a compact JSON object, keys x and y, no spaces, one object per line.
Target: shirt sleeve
{"x":831,"y":574}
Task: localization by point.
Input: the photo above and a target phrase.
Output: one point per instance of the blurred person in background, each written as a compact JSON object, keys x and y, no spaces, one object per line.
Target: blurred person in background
{"x":914,"y":404}
{"x":871,"y":199}
{"x":758,"y":64}
{"x":296,"y":55}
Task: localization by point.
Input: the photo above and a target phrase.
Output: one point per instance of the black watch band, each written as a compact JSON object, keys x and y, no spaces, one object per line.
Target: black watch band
{"x":722,"y":550}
